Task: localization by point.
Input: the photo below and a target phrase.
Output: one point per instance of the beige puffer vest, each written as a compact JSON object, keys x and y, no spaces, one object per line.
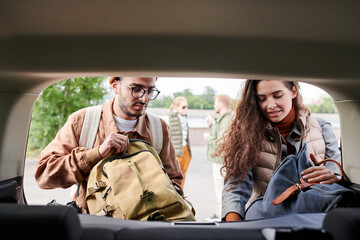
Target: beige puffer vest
{"x":270,"y":157}
{"x":176,"y":133}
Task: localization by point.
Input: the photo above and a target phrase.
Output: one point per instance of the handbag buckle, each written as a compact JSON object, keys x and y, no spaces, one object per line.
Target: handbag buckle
{"x":299,"y":188}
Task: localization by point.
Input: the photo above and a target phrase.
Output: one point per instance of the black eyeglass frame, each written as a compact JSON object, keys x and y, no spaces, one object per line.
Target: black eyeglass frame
{"x":150,"y":92}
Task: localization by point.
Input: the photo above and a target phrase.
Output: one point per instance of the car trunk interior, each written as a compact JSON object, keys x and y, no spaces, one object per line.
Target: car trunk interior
{"x":43,"y":42}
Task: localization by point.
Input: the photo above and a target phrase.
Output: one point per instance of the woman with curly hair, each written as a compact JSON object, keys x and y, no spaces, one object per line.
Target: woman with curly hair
{"x":271,"y":123}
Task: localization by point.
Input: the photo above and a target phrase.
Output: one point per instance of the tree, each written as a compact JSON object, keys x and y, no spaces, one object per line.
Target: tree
{"x":326,"y":105}
{"x":57,"y":102}
{"x":161,"y":102}
{"x":203,"y":101}
{"x":209,"y":97}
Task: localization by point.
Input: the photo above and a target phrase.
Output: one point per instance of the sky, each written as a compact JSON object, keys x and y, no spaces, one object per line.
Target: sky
{"x":230,"y":87}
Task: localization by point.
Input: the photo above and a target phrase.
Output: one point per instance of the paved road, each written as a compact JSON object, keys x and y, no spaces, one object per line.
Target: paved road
{"x":199,"y":186}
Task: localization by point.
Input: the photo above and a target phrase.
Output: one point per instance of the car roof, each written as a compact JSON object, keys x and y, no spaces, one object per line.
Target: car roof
{"x":311,"y":42}
{"x":42,"y":42}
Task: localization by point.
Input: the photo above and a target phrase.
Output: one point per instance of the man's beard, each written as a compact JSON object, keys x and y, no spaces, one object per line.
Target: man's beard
{"x":125,"y":107}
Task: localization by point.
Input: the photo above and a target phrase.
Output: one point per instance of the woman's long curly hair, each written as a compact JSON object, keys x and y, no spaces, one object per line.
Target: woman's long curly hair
{"x":243,"y":141}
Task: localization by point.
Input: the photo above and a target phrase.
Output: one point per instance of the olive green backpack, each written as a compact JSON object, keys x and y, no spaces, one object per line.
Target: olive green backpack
{"x":134,"y":185}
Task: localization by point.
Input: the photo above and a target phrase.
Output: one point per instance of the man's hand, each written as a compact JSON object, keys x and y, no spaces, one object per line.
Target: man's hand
{"x":208,"y":120}
{"x":115,"y":140}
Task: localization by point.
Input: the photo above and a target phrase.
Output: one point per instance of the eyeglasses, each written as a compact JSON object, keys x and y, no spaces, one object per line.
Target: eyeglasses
{"x":138,"y":92}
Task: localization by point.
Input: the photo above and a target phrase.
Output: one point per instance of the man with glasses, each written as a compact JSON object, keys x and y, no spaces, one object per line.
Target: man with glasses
{"x":64,"y":163}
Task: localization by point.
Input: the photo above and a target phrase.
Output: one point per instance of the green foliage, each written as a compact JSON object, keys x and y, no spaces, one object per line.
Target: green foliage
{"x":203,"y":101}
{"x":325,"y":105}
{"x":161,"y":102}
{"x":57,"y":102}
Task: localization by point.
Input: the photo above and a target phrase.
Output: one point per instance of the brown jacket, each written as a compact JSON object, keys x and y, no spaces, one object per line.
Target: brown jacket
{"x":63,"y":163}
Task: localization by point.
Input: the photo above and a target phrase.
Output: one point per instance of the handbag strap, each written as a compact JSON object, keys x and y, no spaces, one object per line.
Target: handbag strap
{"x":294,"y":189}
{"x":297,"y":187}
{"x":342,"y":173}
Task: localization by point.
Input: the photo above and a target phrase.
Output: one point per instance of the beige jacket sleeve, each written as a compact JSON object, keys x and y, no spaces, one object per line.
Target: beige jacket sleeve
{"x":63,"y":163}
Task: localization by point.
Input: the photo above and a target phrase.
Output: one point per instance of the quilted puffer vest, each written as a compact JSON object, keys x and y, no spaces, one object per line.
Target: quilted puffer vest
{"x":176,"y":133}
{"x":270,"y":157}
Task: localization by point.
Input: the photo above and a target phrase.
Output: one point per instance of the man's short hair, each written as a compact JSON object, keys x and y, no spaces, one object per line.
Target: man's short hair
{"x":225,"y":99}
{"x":112,"y":79}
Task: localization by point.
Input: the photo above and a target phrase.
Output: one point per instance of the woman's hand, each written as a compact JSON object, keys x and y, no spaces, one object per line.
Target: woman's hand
{"x":319,"y":174}
{"x":232,"y":217}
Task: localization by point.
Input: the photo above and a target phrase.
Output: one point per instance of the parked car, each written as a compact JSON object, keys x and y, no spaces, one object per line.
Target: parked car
{"x":42,"y":42}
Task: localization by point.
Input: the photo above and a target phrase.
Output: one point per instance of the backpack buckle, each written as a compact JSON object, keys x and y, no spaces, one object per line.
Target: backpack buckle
{"x":146,"y":195}
{"x":99,"y":184}
{"x":107,"y":210}
{"x":157,"y":216}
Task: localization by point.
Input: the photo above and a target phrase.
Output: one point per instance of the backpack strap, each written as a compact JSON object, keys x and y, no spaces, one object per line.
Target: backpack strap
{"x":90,"y":126}
{"x":156,"y":130}
{"x":88,"y":134}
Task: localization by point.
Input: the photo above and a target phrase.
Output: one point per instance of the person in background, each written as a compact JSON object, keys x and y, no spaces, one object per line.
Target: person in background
{"x":271,"y":123}
{"x":218,"y":126}
{"x":179,"y":133}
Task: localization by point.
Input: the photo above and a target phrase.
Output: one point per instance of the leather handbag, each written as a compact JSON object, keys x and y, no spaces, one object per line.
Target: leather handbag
{"x":288,"y":193}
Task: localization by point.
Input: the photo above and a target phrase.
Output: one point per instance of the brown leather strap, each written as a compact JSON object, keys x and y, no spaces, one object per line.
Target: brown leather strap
{"x":318,"y":163}
{"x":286,"y":194}
{"x":334,"y":161}
{"x":304,"y":184}
{"x":292,"y":190}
